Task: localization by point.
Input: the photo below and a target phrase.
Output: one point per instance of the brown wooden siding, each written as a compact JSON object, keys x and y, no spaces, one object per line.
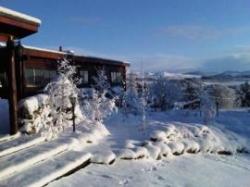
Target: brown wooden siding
{"x":28,"y":59}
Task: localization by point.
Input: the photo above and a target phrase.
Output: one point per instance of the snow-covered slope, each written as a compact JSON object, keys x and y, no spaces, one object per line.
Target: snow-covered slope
{"x":181,"y":129}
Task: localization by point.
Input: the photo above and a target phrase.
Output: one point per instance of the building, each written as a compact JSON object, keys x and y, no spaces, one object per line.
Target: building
{"x":36,"y":67}
{"x":25,"y":70}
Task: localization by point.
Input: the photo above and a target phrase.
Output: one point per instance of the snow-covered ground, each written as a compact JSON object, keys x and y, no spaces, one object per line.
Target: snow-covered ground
{"x":187,"y":170}
{"x":29,"y":160}
{"x":170,"y":149}
{"x":201,"y":169}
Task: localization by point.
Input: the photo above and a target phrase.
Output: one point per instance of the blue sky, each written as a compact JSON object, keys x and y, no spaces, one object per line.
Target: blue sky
{"x":160,"y":35}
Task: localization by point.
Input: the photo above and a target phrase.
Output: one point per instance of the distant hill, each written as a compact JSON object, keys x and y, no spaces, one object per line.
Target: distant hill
{"x":170,"y":75}
{"x":229,"y":75}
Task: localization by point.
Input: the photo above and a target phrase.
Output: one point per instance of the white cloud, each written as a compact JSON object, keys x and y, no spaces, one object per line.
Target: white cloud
{"x":236,"y":60}
{"x":200,"y":32}
{"x":163,"y":62}
{"x":227,"y":63}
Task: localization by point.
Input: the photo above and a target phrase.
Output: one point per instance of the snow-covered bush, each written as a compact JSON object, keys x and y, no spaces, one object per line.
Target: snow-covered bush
{"x":97,"y":106}
{"x":131,"y":101}
{"x":61,"y":93}
{"x":50,"y":113}
{"x":222,"y":95}
{"x":34,"y":114}
{"x":163,"y":93}
{"x":192,"y":92}
{"x":244,"y":94}
{"x":207,"y":107}
{"x":98,"y":103}
{"x":101,"y":83}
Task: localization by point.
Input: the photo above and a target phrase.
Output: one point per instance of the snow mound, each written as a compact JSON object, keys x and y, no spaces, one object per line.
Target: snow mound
{"x":164,"y":149}
{"x":194,"y":138}
{"x":177,"y":148}
{"x":154,"y":151}
{"x":36,"y":116}
{"x":126,"y":154}
{"x":179,"y":138}
{"x":130,"y":144}
{"x":173,"y":139}
{"x":141,"y":152}
{"x":158,"y":135}
{"x":88,"y":133}
{"x":191,"y":146}
{"x":32,"y":104}
{"x":106,"y":157}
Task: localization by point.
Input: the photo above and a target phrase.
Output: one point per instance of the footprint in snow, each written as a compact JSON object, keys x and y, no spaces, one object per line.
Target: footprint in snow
{"x":123,"y":182}
{"x":107,"y":176}
{"x":160,"y":178}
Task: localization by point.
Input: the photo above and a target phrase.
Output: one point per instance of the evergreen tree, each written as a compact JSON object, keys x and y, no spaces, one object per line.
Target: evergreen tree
{"x":244,"y":94}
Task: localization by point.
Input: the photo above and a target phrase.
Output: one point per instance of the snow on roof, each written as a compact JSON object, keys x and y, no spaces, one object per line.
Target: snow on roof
{"x":63,"y":52}
{"x":18,"y":15}
{"x":42,"y":49}
{"x":103,"y":58}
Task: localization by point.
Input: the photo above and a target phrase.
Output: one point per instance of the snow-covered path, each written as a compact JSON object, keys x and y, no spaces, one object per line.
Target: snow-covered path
{"x":32,"y":161}
{"x":187,"y":170}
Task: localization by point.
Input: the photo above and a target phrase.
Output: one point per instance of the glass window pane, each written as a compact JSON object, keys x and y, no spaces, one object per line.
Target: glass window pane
{"x":84,"y":76}
{"x":116,"y":77}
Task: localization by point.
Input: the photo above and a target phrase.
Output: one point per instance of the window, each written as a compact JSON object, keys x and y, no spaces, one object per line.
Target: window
{"x":39,"y":77}
{"x":3,"y":80}
{"x":116,"y":77}
{"x":84,"y":76}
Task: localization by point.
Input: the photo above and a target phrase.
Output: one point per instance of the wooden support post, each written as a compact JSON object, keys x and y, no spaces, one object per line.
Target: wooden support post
{"x":12,"y":87}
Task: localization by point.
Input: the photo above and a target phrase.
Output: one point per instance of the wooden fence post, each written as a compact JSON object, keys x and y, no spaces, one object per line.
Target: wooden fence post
{"x":73,"y":102}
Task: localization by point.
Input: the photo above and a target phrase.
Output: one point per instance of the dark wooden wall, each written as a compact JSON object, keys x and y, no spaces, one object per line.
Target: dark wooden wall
{"x":27,"y":59}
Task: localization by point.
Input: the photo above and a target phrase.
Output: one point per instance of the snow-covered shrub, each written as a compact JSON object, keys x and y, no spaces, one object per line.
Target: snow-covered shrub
{"x":101,"y":83}
{"x":50,"y":113}
{"x":163,"y":93}
{"x":224,"y":96}
{"x":98,"y":106}
{"x":61,"y":93}
{"x":132,"y":102}
{"x":244,"y":94}
{"x":207,"y":107}
{"x":98,"y":103}
{"x":192,"y":92}
{"x":34,"y":114}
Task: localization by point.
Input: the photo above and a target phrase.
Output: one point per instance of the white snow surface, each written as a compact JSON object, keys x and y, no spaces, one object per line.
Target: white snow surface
{"x":68,"y":149}
{"x":187,"y":170}
{"x":103,"y":157}
{"x":144,"y":162}
{"x":43,"y":49}
{"x":172,"y":149}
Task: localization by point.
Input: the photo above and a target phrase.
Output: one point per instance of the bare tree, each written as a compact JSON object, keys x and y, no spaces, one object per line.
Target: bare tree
{"x":164,"y":93}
